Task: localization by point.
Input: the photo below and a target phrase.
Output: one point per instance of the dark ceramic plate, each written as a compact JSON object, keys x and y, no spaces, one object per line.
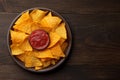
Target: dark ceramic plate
{"x":50,"y":68}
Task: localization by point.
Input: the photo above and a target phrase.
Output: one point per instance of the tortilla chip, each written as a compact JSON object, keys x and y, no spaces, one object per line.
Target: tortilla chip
{"x":37,"y":62}
{"x":43,"y":54}
{"x":21,"y":57}
{"x":50,"y":21}
{"x":17,"y":37}
{"x":45,"y":59}
{"x":57,"y":51}
{"x":24,"y":27}
{"x":53,"y":62}
{"x":29,"y":53}
{"x":38,"y":67}
{"x":54,"y":38}
{"x":61,"y":41}
{"x":37,"y":15}
{"x":64,"y":46}
{"x":16,"y":50}
{"x":61,"y":31}
{"x":46,"y":64}
{"x":34,"y":26}
{"x":25,"y":16}
{"x":25,"y":46}
{"x":31,"y":61}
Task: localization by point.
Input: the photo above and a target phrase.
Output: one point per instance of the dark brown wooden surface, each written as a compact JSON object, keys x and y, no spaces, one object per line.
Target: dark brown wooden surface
{"x":95,"y":53}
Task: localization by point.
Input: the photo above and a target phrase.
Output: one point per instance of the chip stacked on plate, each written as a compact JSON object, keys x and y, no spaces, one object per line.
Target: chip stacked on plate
{"x":33,"y":20}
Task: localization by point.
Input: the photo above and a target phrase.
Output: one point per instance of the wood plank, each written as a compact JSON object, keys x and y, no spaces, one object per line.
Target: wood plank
{"x":94,"y":55}
{"x":84,"y":72}
{"x":67,"y":6}
{"x":12,"y":73}
{"x":2,"y":6}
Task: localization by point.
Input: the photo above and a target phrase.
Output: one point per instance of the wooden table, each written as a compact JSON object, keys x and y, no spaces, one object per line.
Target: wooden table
{"x":95,"y":53}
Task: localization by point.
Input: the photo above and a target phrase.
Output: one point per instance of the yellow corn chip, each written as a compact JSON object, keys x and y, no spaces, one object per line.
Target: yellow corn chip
{"x":37,"y":62}
{"x":21,"y":57}
{"x":34,"y":26}
{"x":25,"y":46}
{"x":46,"y":64}
{"x":64,"y":46}
{"x":25,"y":16}
{"x":17,"y":37}
{"x":57,"y":51}
{"x":61,"y":31}
{"x":54,"y":38}
{"x":45,"y":59}
{"x":61,"y":41}
{"x":50,"y":21}
{"x":53,"y":62}
{"x":24,"y":26}
{"x":29,"y":53}
{"x":47,"y":29}
{"x":43,"y":54}
{"x":38,"y":67}
{"x":16,"y":50}
{"x":31,"y":61}
{"x":37,"y":15}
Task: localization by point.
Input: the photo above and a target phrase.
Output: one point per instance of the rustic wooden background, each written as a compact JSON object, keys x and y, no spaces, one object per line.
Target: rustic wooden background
{"x":95,"y":53}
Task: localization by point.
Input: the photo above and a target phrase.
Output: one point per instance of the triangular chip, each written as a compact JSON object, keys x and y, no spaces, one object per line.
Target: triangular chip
{"x":38,"y":67}
{"x":54,"y":38}
{"x":57,"y":51}
{"x":34,"y":26}
{"x":21,"y":57}
{"x":64,"y":46}
{"x":43,"y":54}
{"x":37,"y":62}
{"x":15,"y":50}
{"x":61,"y":31}
{"x":37,"y":15}
{"x":24,"y":26}
{"x":53,"y":62}
{"x":46,"y":64}
{"x":61,"y":41}
{"x":29,"y":53}
{"x":50,"y":21}
{"x":45,"y":59}
{"x":25,"y":16}
{"x":17,"y":37}
{"x":31,"y":61}
{"x":25,"y":46}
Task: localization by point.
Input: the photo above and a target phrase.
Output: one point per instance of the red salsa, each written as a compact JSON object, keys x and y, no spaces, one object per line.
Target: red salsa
{"x":39,"y":39}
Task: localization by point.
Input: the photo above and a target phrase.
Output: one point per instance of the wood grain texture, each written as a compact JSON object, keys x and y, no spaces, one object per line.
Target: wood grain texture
{"x":2,"y":6}
{"x":69,"y":6}
{"x":95,"y":53}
